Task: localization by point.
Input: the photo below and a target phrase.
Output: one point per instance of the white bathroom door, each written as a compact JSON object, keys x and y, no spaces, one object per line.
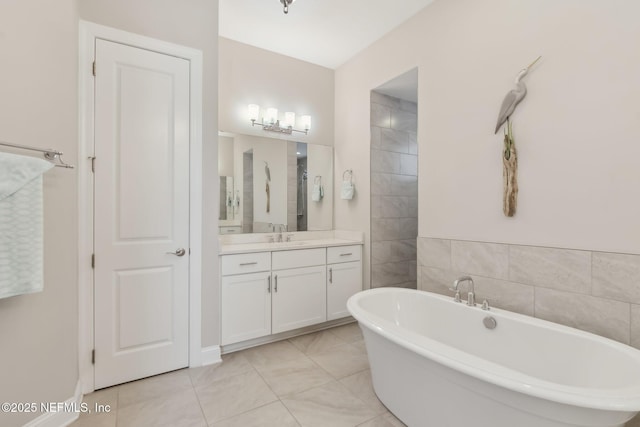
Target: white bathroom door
{"x":141,"y":213}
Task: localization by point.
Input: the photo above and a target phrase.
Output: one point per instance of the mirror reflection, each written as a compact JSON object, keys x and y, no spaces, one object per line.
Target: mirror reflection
{"x":229,"y":198}
{"x":269,"y":185}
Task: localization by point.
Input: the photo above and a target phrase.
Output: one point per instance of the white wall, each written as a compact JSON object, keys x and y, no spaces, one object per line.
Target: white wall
{"x":192,"y":23}
{"x":38,"y":93}
{"x":38,"y":107}
{"x":577,"y":131}
{"x":249,"y":75}
{"x":225,"y":156}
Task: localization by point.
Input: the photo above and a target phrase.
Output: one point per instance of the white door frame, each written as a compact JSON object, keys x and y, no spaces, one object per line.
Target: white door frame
{"x":89,"y":32}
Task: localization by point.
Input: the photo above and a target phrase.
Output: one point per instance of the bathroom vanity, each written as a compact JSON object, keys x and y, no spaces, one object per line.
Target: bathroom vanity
{"x":268,"y":289}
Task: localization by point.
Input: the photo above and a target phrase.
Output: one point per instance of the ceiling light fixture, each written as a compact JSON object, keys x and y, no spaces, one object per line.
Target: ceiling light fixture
{"x":271,"y":123}
{"x":286,"y":4}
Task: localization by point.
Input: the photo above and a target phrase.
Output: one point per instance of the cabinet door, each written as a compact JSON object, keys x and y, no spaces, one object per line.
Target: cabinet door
{"x":344,"y":280}
{"x":299,"y":298}
{"x":246,"y":307}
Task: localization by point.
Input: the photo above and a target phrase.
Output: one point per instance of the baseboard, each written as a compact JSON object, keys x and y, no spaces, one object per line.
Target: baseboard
{"x":243,"y":345}
{"x":62,"y":418}
{"x":211,"y":355}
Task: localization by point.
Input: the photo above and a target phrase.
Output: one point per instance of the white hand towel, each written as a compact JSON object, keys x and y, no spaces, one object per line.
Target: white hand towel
{"x":317,"y":193}
{"x":21,"y":234}
{"x":347,"y":190}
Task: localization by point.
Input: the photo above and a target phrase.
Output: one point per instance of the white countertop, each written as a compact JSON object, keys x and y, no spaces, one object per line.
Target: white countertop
{"x":239,"y":248}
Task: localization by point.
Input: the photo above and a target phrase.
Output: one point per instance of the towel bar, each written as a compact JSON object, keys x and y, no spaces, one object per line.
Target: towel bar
{"x":49,"y":154}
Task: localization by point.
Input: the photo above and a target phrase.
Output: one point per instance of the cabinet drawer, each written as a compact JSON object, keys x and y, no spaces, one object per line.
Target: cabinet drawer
{"x":343,"y":254}
{"x":245,"y":263}
{"x":236,"y":229}
{"x":298,"y":258}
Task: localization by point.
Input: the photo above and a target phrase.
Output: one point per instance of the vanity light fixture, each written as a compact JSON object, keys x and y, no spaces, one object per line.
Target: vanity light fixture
{"x":271,"y":123}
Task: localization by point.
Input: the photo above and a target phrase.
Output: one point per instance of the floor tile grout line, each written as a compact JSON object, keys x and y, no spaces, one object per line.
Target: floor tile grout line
{"x":299,"y":391}
{"x":350,"y":336}
{"x":361,"y":399}
{"x":204,"y":416}
{"x":290,"y":413}
{"x":325,"y":350}
{"x":336,"y":381}
{"x":245,"y":412}
{"x":248,"y":410}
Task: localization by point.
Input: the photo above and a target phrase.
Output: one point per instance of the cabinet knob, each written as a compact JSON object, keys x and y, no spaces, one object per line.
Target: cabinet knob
{"x":275,"y":288}
{"x":331,"y":275}
{"x":269,"y":284}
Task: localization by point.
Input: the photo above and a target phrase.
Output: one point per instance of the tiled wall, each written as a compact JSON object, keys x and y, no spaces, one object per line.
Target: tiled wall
{"x":247,"y":192}
{"x":594,"y":291}
{"x":394,"y":191}
{"x":303,"y":196}
{"x":292,"y":187}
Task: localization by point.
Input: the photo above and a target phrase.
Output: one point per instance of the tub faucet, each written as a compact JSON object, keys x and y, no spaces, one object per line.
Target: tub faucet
{"x":471,"y":296}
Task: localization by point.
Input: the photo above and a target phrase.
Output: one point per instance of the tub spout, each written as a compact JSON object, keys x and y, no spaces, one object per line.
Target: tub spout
{"x":471,"y":296}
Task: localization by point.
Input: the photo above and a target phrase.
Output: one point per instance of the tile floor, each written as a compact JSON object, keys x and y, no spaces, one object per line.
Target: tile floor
{"x":316,"y":380}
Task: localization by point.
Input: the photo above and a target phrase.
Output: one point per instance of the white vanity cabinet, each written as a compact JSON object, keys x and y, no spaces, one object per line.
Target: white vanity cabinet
{"x":344,"y":273}
{"x":299,"y":284}
{"x":271,"y":292}
{"x":246,"y":312}
{"x":246,"y":293}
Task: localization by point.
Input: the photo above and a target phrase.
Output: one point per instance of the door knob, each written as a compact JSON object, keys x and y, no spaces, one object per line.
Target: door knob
{"x":178,"y":252}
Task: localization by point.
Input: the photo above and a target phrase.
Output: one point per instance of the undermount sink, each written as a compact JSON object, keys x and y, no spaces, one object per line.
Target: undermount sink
{"x":294,"y":243}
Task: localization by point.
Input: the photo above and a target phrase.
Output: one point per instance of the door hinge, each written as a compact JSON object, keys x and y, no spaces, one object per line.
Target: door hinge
{"x":93,"y":68}
{"x":93,"y":356}
{"x":93,"y":260}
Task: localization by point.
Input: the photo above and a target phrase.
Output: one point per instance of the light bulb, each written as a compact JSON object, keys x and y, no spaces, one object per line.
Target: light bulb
{"x":306,"y":122}
{"x":253,"y":111}
{"x":272,"y":115}
{"x":289,"y":119}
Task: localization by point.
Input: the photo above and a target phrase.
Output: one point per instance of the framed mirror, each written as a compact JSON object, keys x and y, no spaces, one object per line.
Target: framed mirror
{"x":268,"y":184}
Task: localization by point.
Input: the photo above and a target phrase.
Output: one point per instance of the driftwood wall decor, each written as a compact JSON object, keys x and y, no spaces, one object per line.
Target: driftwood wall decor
{"x":509,"y":154}
{"x":267,"y":173}
{"x":509,"y":173}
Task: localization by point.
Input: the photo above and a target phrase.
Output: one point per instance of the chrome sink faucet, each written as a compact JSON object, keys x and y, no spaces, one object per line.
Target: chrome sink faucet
{"x":281,"y":228}
{"x":471,"y":296}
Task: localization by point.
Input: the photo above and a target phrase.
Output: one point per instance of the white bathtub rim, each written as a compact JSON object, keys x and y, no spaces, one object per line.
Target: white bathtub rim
{"x":618,"y":399}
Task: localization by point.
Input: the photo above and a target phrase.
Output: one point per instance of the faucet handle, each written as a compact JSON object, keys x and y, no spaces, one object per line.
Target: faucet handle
{"x":485,"y":302}
{"x":471,"y":299}
{"x":289,"y":236}
{"x":456,"y":297}
{"x":271,"y":239}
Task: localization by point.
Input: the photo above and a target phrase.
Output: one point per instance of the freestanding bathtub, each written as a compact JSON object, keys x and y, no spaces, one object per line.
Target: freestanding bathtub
{"x":435,"y":364}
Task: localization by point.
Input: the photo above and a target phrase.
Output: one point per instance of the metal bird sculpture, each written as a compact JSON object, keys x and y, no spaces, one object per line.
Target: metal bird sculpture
{"x":514,"y":96}
{"x":286,"y":4}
